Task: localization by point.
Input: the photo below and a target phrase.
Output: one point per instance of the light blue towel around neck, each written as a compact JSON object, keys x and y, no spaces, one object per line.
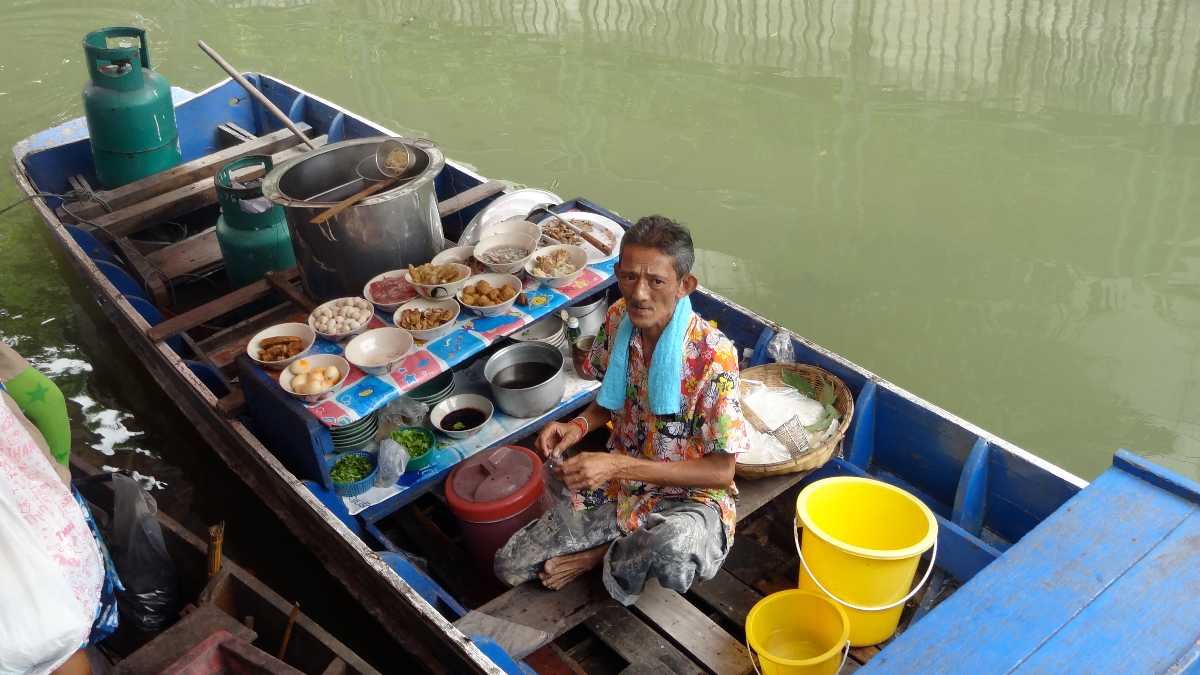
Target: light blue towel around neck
{"x":666,"y":366}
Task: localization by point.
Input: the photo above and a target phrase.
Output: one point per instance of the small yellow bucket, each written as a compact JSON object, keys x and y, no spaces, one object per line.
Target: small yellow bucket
{"x":797,"y":633}
{"x":862,"y":541}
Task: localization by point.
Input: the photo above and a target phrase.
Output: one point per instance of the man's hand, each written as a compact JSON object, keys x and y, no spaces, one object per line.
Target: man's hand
{"x":590,"y":470}
{"x":556,"y":438}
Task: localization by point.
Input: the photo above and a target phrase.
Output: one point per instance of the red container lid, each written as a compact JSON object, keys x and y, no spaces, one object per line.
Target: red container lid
{"x":495,"y":484}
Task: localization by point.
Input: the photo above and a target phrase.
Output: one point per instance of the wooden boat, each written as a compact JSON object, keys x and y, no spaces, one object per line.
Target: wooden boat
{"x":990,"y":497}
{"x":233,"y":600}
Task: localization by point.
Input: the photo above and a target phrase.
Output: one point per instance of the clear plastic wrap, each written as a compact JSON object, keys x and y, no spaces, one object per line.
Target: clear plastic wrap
{"x":151,"y":597}
{"x":557,"y":497}
{"x":780,"y":348}
{"x":393,"y":458}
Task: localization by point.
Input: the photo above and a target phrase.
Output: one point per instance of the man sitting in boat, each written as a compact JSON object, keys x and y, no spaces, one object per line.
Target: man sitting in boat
{"x":659,"y":502}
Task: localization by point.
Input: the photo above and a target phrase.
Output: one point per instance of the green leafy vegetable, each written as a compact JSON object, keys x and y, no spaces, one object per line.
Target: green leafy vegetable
{"x":828,"y":393}
{"x":458,"y":426}
{"x":799,"y":384}
{"x":414,"y":440}
{"x":350,"y":469}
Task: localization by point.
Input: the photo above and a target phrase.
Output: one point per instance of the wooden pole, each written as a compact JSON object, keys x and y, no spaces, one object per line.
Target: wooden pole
{"x":253,"y":91}
{"x":287,"y":631}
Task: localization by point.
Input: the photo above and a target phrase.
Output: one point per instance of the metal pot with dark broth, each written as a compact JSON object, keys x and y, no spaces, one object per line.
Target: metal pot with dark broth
{"x":527,"y":379}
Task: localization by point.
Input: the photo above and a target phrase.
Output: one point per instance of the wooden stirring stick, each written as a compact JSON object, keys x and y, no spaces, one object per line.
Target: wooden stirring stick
{"x":352,"y":200}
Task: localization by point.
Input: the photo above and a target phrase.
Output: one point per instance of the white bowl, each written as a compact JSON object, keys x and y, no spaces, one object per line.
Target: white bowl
{"x":522,"y":241}
{"x":441,"y":291}
{"x":338,"y":337}
{"x":460,"y":254}
{"x":378,"y":350}
{"x":424,"y":304}
{"x":306,"y":334}
{"x":459,"y":402}
{"x":575,"y":255}
{"x":514,"y":225}
{"x":386,"y":306}
{"x":316,"y":361}
{"x":496,"y":280}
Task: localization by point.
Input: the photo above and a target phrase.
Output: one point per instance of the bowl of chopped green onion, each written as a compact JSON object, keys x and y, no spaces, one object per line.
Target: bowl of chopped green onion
{"x":353,"y":473}
{"x":420,"y":444}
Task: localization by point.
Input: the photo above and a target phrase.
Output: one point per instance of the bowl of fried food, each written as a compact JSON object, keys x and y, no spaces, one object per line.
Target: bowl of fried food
{"x":438,"y":281}
{"x":490,"y":294}
{"x":557,"y":265}
{"x":425,"y":318}
{"x":278,"y":346}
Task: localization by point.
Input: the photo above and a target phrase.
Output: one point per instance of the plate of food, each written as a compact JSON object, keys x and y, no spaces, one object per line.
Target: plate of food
{"x":427,"y":319}
{"x":557,"y":265}
{"x":604,"y":230}
{"x":490,"y":294}
{"x":278,"y":346}
{"x":438,"y":281}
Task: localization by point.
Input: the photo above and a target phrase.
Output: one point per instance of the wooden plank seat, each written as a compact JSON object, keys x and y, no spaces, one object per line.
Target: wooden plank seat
{"x":529,"y":616}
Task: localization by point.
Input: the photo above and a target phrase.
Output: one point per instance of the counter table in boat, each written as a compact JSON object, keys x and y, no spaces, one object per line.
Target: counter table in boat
{"x":1036,"y":565}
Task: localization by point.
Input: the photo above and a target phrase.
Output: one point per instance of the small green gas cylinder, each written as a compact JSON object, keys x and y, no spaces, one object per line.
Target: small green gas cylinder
{"x":130,"y":116}
{"x":252,"y":231}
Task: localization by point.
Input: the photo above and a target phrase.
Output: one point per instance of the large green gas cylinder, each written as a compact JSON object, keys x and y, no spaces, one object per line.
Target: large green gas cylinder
{"x":252,"y":231}
{"x":129,"y":112}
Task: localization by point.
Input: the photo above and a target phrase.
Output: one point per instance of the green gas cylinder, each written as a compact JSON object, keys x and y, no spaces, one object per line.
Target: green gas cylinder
{"x":252,"y":231}
{"x":130,"y":116}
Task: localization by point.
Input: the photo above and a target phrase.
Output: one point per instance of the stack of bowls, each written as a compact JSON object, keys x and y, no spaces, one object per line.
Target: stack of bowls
{"x":356,"y":434}
{"x":550,"y":330}
{"x":434,"y":391}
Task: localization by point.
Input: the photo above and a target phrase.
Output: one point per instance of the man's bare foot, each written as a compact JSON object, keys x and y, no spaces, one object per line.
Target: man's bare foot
{"x":562,"y":570}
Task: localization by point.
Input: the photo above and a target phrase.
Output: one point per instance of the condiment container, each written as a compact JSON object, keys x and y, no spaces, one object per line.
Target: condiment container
{"x":494,"y":494}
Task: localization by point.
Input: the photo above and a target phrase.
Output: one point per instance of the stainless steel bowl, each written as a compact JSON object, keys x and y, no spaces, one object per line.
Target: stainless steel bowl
{"x":515,"y":375}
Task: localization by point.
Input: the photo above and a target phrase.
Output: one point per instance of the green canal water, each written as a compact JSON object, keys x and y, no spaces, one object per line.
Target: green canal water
{"x":993,"y":203}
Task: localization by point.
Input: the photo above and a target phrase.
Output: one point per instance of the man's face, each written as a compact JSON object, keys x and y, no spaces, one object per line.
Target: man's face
{"x":650,"y":286}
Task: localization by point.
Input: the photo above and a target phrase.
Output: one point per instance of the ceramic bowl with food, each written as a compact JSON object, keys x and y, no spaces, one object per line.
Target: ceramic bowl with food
{"x":278,"y":346}
{"x":438,"y":281}
{"x":378,"y":350}
{"x":460,"y":254}
{"x":487,"y":294}
{"x":315,"y":377}
{"x":556,"y":265}
{"x":341,"y":319}
{"x":389,"y":290}
{"x":427,"y":319}
{"x":505,"y":253}
{"x":514,"y":225}
{"x":462,"y":415}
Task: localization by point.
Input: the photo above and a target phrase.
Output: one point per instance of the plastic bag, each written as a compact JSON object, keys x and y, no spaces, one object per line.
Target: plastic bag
{"x":403,"y":412}
{"x":151,"y":597}
{"x":559,"y":498}
{"x":393,"y":458}
{"x":40,"y":619}
{"x":780,"y":348}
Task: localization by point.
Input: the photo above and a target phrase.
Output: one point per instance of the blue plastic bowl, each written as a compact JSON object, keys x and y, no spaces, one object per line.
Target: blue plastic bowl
{"x":359,"y":486}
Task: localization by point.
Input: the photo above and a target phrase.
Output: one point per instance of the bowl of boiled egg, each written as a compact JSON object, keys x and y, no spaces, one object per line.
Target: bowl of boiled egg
{"x":313,"y":377}
{"x":340,"y":319}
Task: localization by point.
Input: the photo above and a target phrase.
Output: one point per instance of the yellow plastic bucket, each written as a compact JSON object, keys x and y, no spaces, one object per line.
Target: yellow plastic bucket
{"x":797,"y":633}
{"x":862,"y":541}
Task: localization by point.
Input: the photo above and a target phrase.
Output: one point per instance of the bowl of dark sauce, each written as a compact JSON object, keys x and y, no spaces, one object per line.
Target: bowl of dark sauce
{"x":462,"y":415}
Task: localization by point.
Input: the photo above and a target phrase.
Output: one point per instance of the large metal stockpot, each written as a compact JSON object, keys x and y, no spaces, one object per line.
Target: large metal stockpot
{"x":386,"y":231}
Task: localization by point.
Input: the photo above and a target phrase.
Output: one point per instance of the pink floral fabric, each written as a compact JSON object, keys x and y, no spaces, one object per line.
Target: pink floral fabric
{"x":710,"y":421}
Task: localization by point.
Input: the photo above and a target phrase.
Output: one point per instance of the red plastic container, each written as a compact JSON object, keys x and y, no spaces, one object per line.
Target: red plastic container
{"x":494,"y":494}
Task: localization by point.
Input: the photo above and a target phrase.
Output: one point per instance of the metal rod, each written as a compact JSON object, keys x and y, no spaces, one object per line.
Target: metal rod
{"x":254,"y":92}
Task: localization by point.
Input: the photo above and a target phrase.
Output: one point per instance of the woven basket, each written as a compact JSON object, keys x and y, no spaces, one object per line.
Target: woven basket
{"x":792,"y":435}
